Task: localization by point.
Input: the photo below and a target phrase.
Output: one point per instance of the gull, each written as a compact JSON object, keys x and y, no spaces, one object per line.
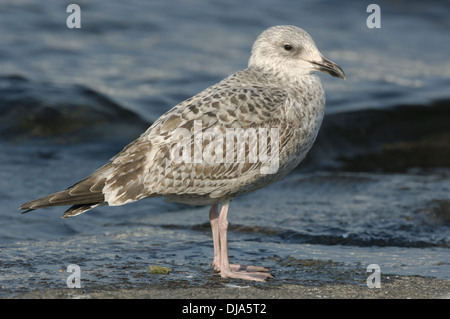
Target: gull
{"x":278,"y":92}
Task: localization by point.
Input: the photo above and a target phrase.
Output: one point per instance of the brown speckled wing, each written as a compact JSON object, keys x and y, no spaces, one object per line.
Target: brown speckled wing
{"x":147,"y":167}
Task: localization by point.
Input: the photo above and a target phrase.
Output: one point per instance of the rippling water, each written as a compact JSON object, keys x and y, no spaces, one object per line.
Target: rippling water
{"x":374,"y":189}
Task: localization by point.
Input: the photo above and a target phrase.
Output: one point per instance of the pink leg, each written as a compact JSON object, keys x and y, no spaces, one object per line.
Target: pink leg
{"x":213,"y":219}
{"x":219,"y":228}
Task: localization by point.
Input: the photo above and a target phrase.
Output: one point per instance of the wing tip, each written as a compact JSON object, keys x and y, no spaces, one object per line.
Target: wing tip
{"x":27,"y":210}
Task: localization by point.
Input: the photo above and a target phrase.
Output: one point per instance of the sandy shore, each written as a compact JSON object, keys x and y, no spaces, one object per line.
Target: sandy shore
{"x":398,"y":287}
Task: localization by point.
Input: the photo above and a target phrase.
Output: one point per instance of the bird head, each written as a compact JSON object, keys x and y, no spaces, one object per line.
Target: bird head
{"x":291,"y":51}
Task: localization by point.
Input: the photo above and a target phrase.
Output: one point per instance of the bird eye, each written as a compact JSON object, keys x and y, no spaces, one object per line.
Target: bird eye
{"x":287,"y":47}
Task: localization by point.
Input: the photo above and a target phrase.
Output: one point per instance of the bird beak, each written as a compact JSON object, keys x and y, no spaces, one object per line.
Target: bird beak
{"x":329,"y":67}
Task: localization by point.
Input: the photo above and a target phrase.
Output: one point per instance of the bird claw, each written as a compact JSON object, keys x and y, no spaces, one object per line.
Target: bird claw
{"x":247,"y":272}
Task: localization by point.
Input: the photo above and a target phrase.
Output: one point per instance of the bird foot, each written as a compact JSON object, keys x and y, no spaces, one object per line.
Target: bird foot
{"x":246,"y":272}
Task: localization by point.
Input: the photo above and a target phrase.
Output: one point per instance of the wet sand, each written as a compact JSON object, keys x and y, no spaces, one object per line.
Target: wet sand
{"x":393,"y":287}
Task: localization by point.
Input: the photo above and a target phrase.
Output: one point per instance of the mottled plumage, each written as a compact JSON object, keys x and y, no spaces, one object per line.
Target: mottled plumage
{"x":277,"y":91}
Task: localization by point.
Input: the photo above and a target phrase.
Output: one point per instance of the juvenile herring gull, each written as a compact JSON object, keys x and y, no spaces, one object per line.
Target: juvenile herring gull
{"x":273,"y":108}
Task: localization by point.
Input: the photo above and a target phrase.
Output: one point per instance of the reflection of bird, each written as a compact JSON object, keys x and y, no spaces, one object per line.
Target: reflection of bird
{"x":276,"y":91}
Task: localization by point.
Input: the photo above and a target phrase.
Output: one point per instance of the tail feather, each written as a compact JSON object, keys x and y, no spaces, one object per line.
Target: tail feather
{"x":79,"y":209}
{"x":83,"y":196}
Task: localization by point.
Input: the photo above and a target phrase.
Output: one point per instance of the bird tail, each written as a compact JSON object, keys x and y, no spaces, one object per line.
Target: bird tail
{"x":83,"y":196}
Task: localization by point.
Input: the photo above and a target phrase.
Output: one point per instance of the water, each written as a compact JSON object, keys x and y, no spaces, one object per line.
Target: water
{"x":374,"y":189}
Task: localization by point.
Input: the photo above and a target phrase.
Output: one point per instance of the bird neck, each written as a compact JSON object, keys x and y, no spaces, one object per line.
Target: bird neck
{"x":286,"y":77}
